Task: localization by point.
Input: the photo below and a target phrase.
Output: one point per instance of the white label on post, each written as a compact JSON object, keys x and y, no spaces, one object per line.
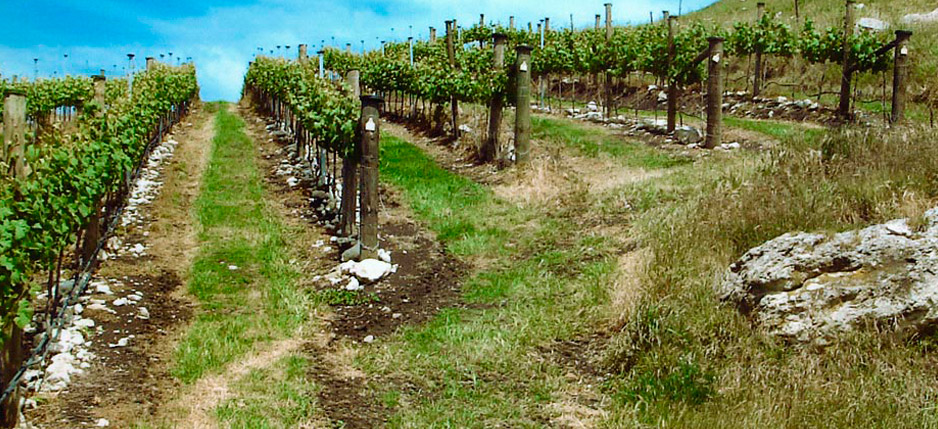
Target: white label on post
{"x":370,"y":125}
{"x":716,"y":58}
{"x":524,"y":66}
{"x":904,"y":50}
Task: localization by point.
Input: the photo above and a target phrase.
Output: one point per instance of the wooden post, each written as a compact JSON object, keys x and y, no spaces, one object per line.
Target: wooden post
{"x":11,"y":358}
{"x":322,"y":64}
{"x":303,"y":54}
{"x":481,"y":24}
{"x":370,"y":127}
{"x":93,"y":229}
{"x":511,"y":22}
{"x":451,"y":53}
{"x":546,"y":26}
{"x":672,"y":82}
{"x":432,"y":35}
{"x":899,"y":74}
{"x":348,"y":48}
{"x":14,"y":131}
{"x":347,"y":225}
{"x":843,"y":109}
{"x":523,"y":104}
{"x":714,"y":93}
{"x":757,"y":79}
{"x":151,"y":62}
{"x":598,"y":20}
{"x":100,"y":93}
{"x":489,"y":150}
{"x":607,"y":84}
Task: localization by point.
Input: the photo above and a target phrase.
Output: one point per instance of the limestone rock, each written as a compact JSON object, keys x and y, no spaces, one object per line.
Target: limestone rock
{"x":809,"y":287}
{"x":688,"y":135}
{"x":872,"y":24}
{"x":921,"y":17}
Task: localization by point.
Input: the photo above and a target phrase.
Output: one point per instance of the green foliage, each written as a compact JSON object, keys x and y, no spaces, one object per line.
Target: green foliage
{"x":829,"y":47}
{"x":640,"y":48}
{"x":44,"y":95}
{"x":685,"y":383}
{"x":40,"y":213}
{"x":326,"y":110}
{"x":342,"y":297}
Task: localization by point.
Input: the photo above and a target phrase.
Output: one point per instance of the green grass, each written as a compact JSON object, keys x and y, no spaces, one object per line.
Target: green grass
{"x":592,"y":141}
{"x":685,"y":360}
{"x":277,"y":397}
{"x":449,"y":203}
{"x":256,"y":302}
{"x":779,"y":130}
{"x":474,"y":368}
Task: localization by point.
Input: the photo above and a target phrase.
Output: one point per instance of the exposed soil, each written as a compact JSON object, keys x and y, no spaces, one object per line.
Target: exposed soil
{"x":427,"y":280}
{"x":127,"y":384}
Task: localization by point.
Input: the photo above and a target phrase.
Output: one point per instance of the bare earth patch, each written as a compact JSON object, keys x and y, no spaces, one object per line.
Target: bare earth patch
{"x":127,"y":384}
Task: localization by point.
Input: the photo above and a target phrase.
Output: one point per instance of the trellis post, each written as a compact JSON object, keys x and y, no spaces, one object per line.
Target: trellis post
{"x":757,"y":80}
{"x":523,"y":104}
{"x":490,"y":148}
{"x":451,"y":52}
{"x":899,"y":74}
{"x":672,"y":82}
{"x":370,"y":126}
{"x":14,"y":131}
{"x":843,"y":109}
{"x":93,"y":230}
{"x":607,"y":84}
{"x":714,"y":93}
{"x":347,"y":226}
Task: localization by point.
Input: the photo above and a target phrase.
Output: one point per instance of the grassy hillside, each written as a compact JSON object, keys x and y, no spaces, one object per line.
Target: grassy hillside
{"x":824,"y":12}
{"x":924,"y":44}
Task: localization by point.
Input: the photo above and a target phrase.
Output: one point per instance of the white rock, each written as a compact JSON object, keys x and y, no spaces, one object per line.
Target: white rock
{"x":872,"y":24}
{"x":103,"y":288}
{"x":369,"y":339}
{"x":84,"y":323}
{"x":368,"y":270}
{"x":233,"y":267}
{"x":143,"y":313}
{"x":59,"y":373}
{"x":809,"y":287}
{"x":101,"y":307}
{"x":384,"y":255}
{"x":465,"y":128}
{"x":120,"y":343}
{"x":921,"y":17}
{"x":688,"y":135}
{"x":134,"y":297}
{"x":353,"y":285}
{"x":102,"y":423}
{"x":120,"y":302}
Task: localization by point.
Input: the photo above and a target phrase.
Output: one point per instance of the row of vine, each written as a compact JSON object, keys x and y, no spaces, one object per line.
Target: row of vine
{"x":41,"y":213}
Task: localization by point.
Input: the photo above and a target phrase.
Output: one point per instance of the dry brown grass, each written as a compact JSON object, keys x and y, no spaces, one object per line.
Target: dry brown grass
{"x":688,"y":361}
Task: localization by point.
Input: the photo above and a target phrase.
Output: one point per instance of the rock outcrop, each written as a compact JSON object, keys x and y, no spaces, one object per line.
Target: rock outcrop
{"x":810,"y":287}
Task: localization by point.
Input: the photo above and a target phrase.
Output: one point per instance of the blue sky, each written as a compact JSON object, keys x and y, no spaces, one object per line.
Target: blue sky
{"x":222,"y":36}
